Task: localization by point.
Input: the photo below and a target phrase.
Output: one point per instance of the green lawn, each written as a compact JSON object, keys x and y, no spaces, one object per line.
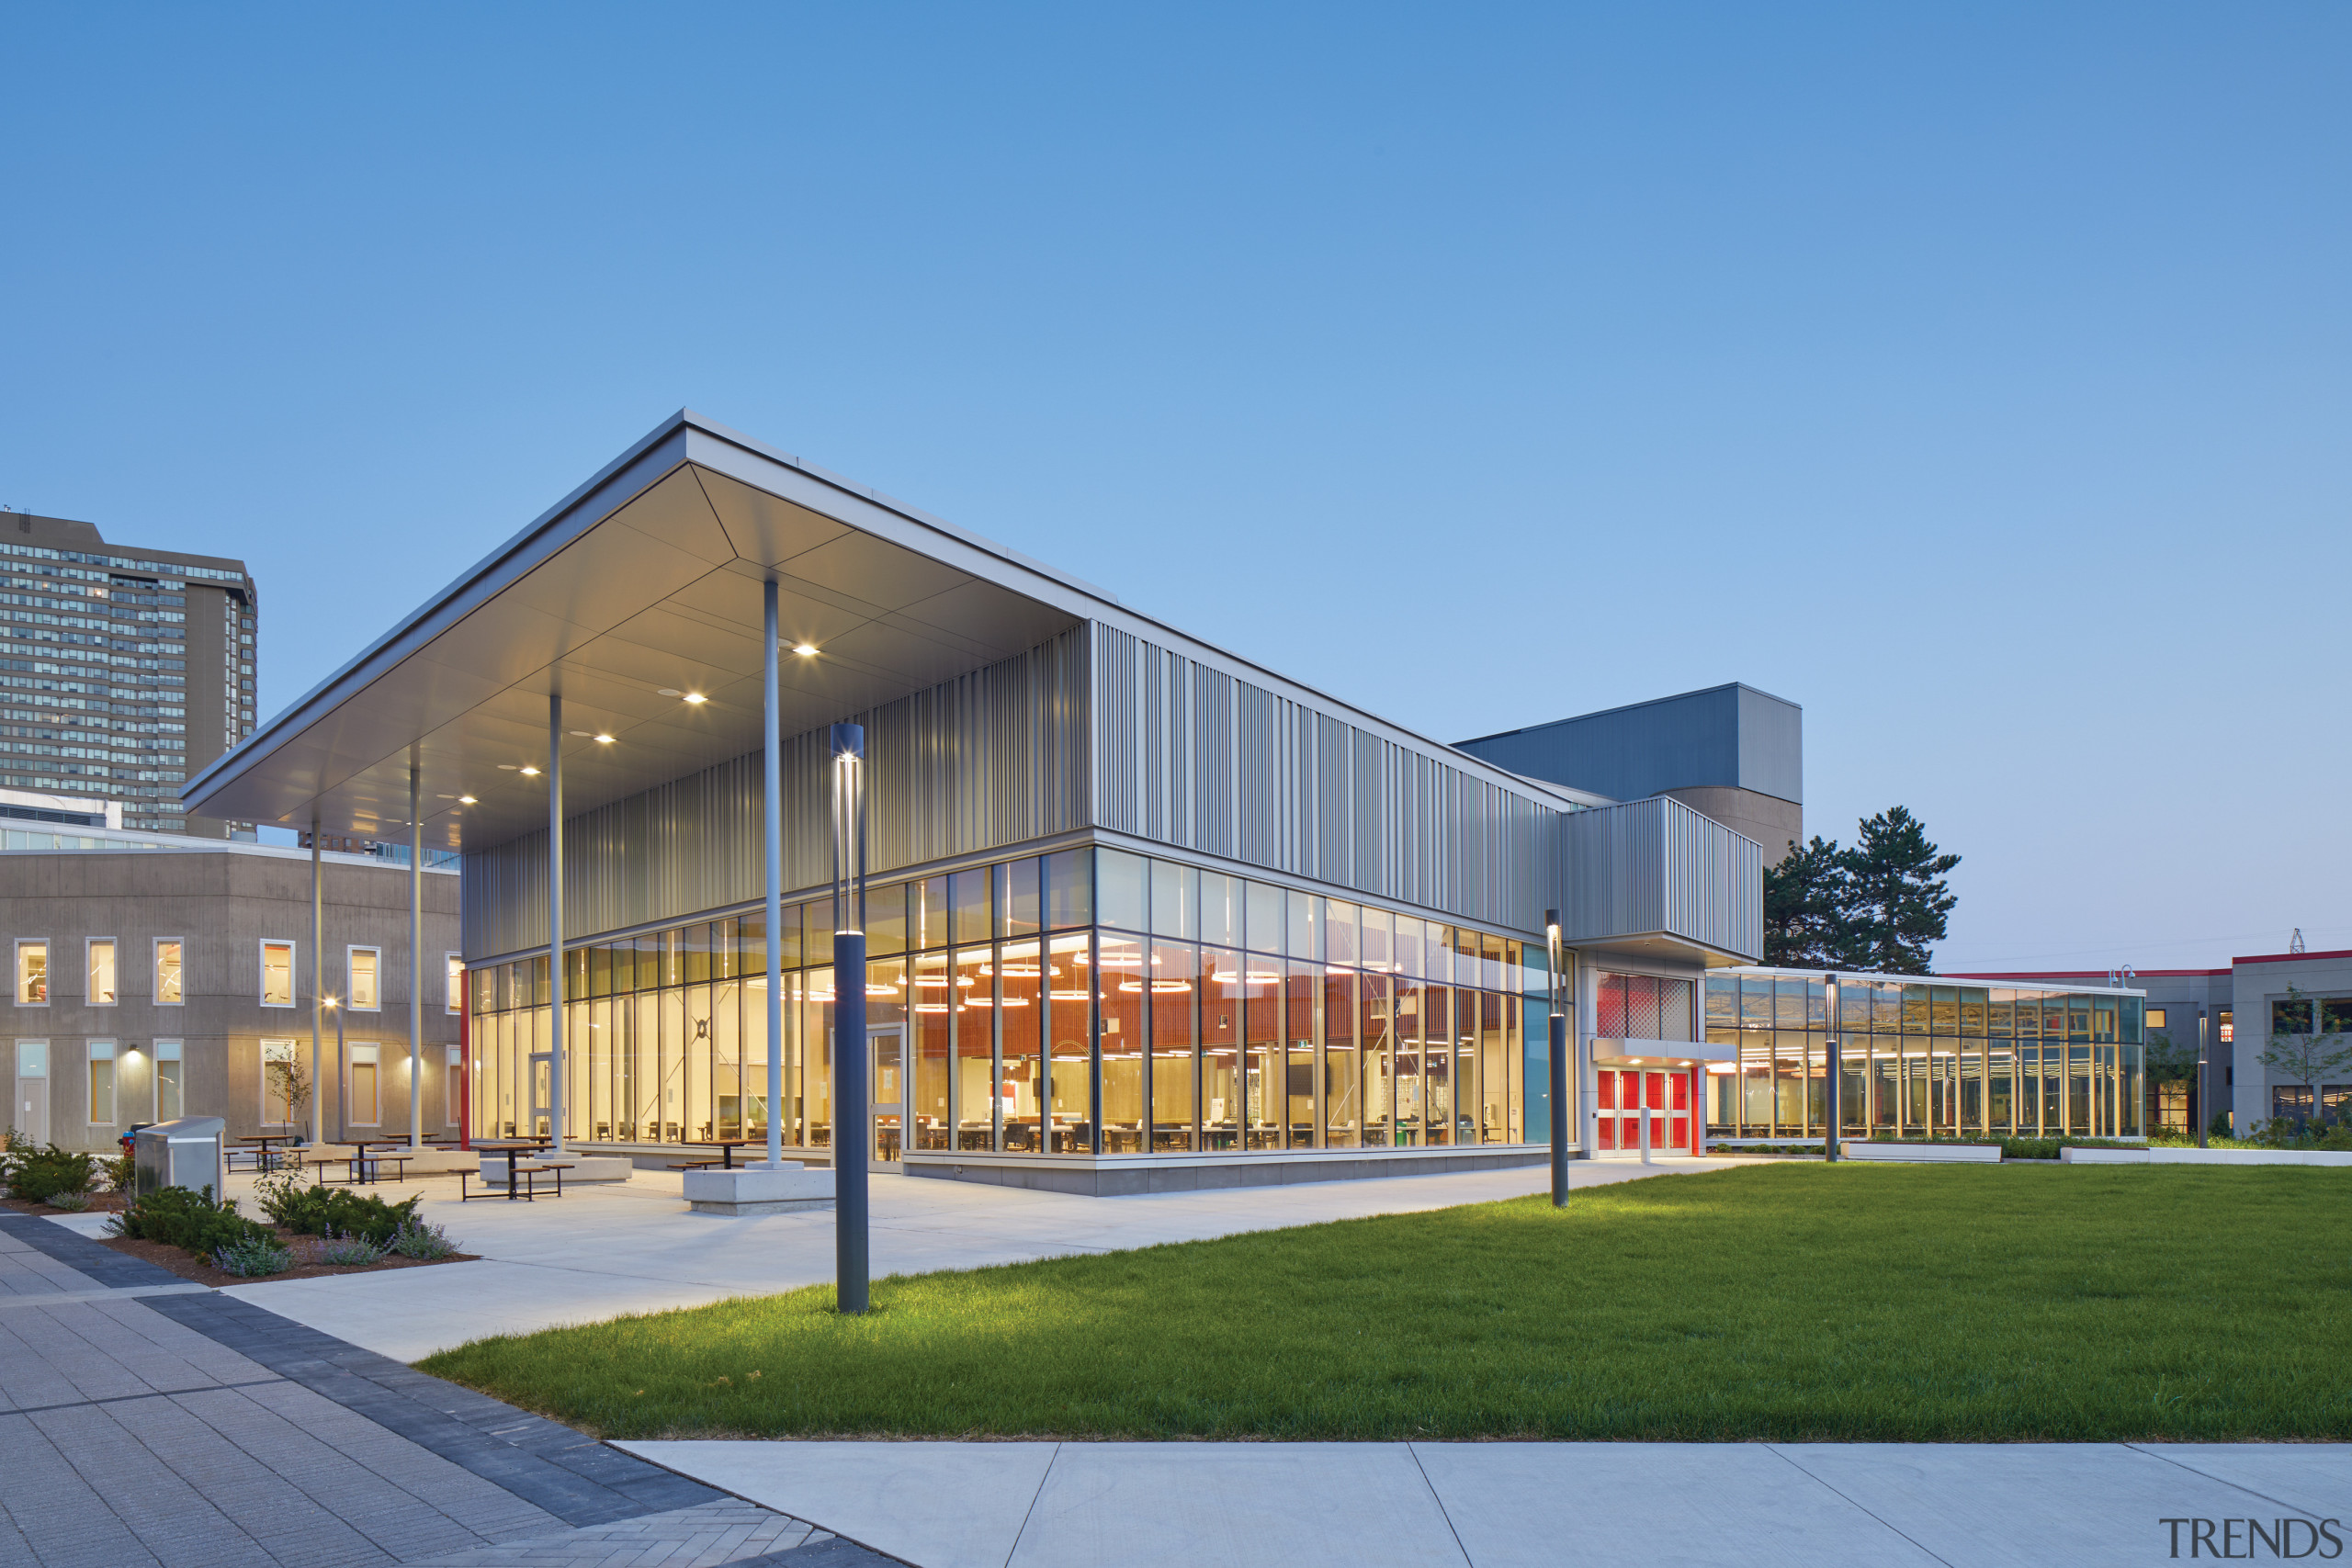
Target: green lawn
{"x":1791,"y":1302}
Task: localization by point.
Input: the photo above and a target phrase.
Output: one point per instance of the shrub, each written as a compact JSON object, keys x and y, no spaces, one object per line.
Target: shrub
{"x":255,"y":1256}
{"x":121,"y":1172}
{"x":417,"y":1239}
{"x":332,"y":1211}
{"x":72,"y":1203}
{"x":351,"y":1251}
{"x":41,"y":1173}
{"x":192,"y":1222}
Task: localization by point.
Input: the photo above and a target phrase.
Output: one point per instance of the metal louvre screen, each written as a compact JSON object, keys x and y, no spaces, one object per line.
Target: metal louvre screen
{"x":1198,"y":758}
{"x":994,"y":758}
{"x":1657,"y":866}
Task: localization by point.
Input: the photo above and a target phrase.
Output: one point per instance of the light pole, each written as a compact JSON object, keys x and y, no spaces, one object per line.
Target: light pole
{"x":1833,"y":1121}
{"x":1559,"y":1063}
{"x":850,"y":1129}
{"x":342,"y":1110}
{"x":2202,"y":1119}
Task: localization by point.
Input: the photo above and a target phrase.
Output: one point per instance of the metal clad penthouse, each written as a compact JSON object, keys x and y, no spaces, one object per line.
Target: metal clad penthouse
{"x":1143,"y":915}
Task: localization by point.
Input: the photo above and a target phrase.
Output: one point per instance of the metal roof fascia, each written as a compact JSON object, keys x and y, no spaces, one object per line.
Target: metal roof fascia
{"x":710,"y":444}
{"x":474,"y":587}
{"x":788,"y":474}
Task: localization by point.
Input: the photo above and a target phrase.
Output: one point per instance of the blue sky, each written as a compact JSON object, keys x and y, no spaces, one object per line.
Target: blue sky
{"x":1977,"y":376}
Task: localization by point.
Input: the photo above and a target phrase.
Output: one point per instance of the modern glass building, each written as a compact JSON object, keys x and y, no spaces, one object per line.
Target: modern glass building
{"x":1142,"y":913}
{"x":1199,"y":1012}
{"x":1922,"y":1059}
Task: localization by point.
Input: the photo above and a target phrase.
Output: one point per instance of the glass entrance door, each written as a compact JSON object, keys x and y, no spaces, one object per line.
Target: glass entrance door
{"x":887,"y":1080}
{"x":542,"y":1066}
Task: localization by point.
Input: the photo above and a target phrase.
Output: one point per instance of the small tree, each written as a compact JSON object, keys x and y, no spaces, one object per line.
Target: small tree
{"x":289,"y":1085}
{"x":2305,"y":1055}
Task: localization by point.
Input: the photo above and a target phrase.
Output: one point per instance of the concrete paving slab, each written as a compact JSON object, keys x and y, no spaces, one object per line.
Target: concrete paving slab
{"x":1178,"y":1504}
{"x":2314,"y":1477}
{"x":2001,"y":1504}
{"x":938,"y":1505}
{"x":91,"y":1225}
{"x":408,"y":1313}
{"x":1520,"y":1504}
{"x":1535,"y":1505}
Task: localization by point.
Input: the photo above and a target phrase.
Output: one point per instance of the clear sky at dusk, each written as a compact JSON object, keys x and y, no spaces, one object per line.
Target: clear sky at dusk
{"x":1978,"y":376}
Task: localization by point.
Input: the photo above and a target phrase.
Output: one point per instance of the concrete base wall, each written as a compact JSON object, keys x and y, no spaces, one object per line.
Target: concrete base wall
{"x":1127,"y":1176}
{"x":2205,"y":1156}
{"x":1923,"y":1153}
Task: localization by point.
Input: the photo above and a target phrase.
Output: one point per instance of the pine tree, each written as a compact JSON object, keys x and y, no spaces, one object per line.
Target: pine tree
{"x":1805,"y":906}
{"x":1897,"y":904}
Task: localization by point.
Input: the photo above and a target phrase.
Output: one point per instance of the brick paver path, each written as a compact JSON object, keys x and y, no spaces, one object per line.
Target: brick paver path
{"x":148,"y":1424}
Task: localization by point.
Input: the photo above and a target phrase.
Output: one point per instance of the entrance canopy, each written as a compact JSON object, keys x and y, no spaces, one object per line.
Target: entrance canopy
{"x":638,"y":598}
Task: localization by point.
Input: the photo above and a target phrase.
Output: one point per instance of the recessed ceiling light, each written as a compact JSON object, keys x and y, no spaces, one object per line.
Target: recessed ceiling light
{"x":805,"y":650}
{"x":505,"y":767}
{"x":445,"y":797}
{"x":603,"y":740}
{"x":696,"y":697}
{"x":582,"y":733}
{"x":666,"y":692}
{"x":530,"y":773}
{"x":465,"y":800}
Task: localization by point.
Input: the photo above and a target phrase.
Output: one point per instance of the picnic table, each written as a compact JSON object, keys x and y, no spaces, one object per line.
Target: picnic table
{"x":363,"y":1166}
{"x":513,"y":1149}
{"x":263,"y":1160}
{"x":726,"y":1147}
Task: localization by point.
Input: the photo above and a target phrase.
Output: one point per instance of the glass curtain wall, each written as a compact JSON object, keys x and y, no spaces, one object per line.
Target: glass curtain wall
{"x":1923,"y":1059}
{"x":1052,"y":1005}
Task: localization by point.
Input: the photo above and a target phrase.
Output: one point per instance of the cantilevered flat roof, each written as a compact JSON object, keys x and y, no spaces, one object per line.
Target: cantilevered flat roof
{"x":640,"y":587}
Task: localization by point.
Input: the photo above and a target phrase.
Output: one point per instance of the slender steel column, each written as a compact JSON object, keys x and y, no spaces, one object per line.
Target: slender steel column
{"x":555,"y":919}
{"x":1558,"y":1064}
{"x":2204,"y":1111}
{"x":416,"y":958}
{"x":1641,"y":1100}
{"x":849,"y":1110}
{"x":772,"y":772}
{"x":1833,"y":1117}
{"x":318,"y":989}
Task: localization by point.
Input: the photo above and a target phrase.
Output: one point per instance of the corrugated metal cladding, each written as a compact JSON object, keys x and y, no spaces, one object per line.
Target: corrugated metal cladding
{"x":1191,"y":757}
{"x":992,"y":759}
{"x":1656,"y":865}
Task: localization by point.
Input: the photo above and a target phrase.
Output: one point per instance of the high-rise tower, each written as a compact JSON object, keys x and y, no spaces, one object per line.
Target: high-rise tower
{"x":123,"y":668}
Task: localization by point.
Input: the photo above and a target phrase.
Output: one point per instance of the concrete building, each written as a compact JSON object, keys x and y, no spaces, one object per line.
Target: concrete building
{"x":153,"y":974}
{"x":124,"y":668}
{"x":1143,"y":913}
{"x":1732,"y":752}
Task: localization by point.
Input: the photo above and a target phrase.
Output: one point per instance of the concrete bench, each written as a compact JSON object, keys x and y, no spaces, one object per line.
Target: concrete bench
{"x":1922,"y":1153}
{"x":2205,"y":1156}
{"x":759,"y":1190}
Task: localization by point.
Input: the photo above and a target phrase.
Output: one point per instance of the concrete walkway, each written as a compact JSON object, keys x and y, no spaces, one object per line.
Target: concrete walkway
{"x":147,"y":1423}
{"x":1535,"y":1505}
{"x":600,"y":1251}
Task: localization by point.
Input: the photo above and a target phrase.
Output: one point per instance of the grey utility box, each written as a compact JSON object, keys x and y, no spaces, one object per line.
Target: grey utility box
{"x":187,"y":1153}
